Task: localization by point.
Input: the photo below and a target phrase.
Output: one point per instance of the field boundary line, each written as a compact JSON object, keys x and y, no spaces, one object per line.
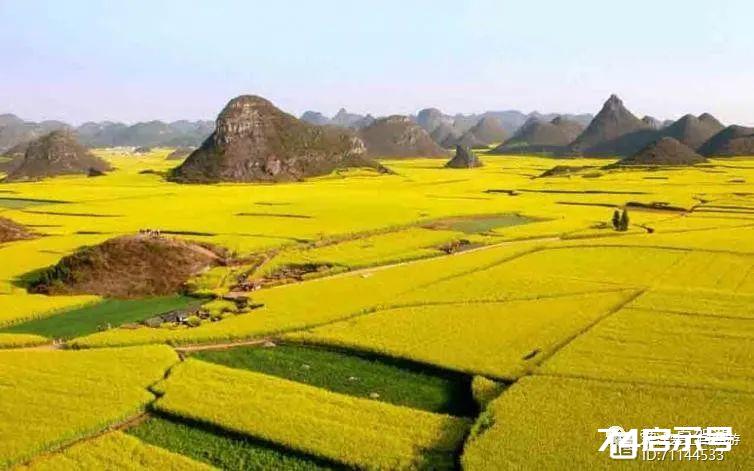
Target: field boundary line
{"x":114,"y":427}
{"x":390,"y":307}
{"x":643,"y":383}
{"x":565,"y":342}
{"x":693,"y":314}
{"x":198,"y":347}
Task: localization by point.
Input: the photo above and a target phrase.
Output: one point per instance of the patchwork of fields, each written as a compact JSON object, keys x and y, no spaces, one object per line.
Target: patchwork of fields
{"x":426,"y":319}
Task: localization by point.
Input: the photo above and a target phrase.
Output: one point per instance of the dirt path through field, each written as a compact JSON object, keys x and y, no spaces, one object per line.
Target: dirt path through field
{"x":220,"y":346}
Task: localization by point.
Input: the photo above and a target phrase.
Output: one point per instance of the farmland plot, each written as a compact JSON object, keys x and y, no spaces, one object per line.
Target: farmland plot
{"x":356,"y":432}
{"x":501,"y":340}
{"x":52,"y":397}
{"x":114,"y":451}
{"x":651,"y":346}
{"x":552,"y":423}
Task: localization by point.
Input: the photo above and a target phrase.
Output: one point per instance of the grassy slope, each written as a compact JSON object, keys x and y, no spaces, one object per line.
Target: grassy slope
{"x":354,"y":375}
{"x":91,"y":319}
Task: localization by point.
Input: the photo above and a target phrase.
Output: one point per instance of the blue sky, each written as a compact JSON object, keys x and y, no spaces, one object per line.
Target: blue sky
{"x":137,"y":60}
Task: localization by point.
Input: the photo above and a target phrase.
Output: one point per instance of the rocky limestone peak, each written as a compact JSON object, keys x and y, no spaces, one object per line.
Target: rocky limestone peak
{"x":664,"y":151}
{"x":464,"y":158}
{"x":256,"y":141}
{"x":708,"y":118}
{"x":241,"y":117}
{"x":613,"y":103}
{"x":56,"y":153}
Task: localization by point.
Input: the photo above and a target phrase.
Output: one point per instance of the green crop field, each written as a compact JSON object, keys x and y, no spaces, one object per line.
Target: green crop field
{"x":419,"y":319}
{"x":217,"y":448}
{"x":102,"y":316}
{"x":359,"y":376}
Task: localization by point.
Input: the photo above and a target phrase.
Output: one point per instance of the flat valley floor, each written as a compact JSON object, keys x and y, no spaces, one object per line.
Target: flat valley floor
{"x":431,"y":318}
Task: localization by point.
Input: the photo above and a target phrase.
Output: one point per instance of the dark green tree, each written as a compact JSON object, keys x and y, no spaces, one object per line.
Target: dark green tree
{"x":616,"y":219}
{"x":624,"y":221}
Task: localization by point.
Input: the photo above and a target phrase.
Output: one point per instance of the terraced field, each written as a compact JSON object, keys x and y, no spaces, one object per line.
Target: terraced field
{"x":424,"y":319}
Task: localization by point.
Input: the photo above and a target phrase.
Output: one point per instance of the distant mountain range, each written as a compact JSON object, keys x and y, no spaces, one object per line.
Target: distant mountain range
{"x":14,"y":131}
{"x":614,"y":131}
{"x":448,"y":129}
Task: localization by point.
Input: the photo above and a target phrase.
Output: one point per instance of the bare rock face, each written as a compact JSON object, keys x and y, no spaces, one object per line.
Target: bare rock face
{"x":57,"y":153}
{"x":693,"y":131}
{"x":398,"y":136}
{"x":464,"y":158}
{"x":489,"y":130}
{"x":256,"y":142}
{"x":444,"y":134}
{"x":432,"y":118}
{"x":665,"y":151}
{"x":541,"y":137}
{"x":652,"y":122}
{"x":615,"y":131}
{"x":730,"y":142}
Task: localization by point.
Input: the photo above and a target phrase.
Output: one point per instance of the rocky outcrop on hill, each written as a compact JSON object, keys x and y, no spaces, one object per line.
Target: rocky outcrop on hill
{"x":256,"y":142}
{"x":14,"y":131}
{"x":398,"y":136}
{"x":10,"y":231}
{"x":180,"y":153}
{"x":345,"y":119}
{"x":432,"y":118}
{"x":445,"y":135}
{"x":314,"y":117}
{"x":486,"y":131}
{"x":464,"y":158}
{"x":57,"y":153}
{"x":615,"y":131}
{"x":541,"y":137}
{"x":730,"y":142}
{"x":129,"y":266}
{"x":665,"y":151}
{"x":652,"y":122}
{"x":693,"y":131}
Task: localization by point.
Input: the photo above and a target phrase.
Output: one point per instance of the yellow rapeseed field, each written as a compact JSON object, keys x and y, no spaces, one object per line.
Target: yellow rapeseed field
{"x":21,"y":340}
{"x":577,"y":313}
{"x":114,"y":451}
{"x":50,"y":397}
{"x":357,"y":432}
{"x":315,"y":302}
{"x":501,"y":340}
{"x":545,"y":422}
{"x":652,"y":346}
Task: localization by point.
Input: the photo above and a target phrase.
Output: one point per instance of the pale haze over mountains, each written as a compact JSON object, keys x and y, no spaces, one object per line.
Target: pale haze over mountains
{"x":137,"y":61}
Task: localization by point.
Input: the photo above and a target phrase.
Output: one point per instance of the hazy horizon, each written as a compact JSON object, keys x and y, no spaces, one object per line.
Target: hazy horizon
{"x":139,"y":61}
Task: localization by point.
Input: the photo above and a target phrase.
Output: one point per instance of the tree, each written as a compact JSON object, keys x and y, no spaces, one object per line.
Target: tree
{"x":624,"y":220}
{"x":616,"y":219}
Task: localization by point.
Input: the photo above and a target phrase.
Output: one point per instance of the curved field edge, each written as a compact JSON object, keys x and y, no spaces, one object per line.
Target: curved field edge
{"x":53,"y":397}
{"x":353,"y":431}
{"x":114,"y":450}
